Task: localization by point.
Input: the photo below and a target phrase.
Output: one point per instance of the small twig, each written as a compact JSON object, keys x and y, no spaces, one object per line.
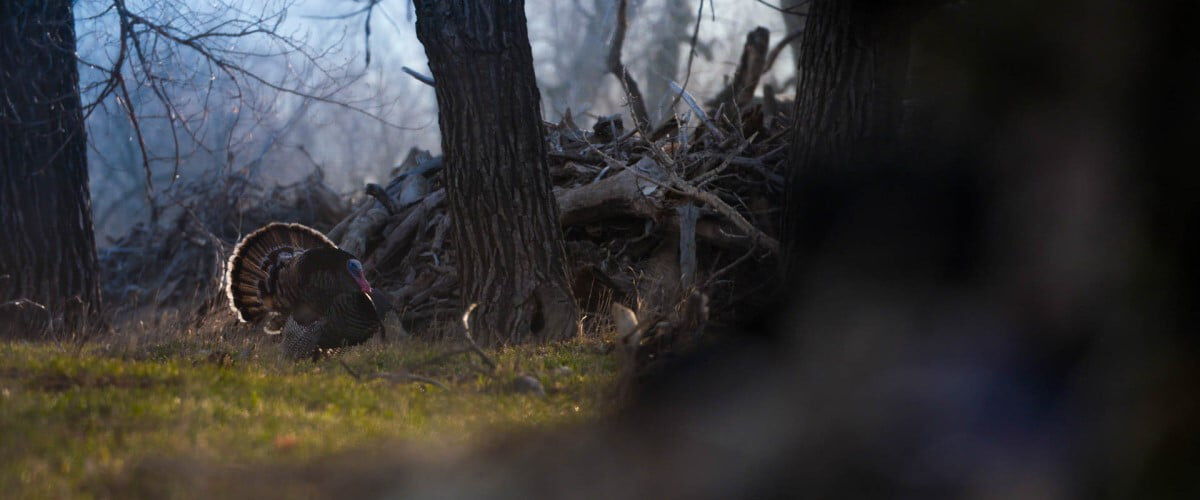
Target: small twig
{"x":466,"y":322}
{"x":367,"y":31}
{"x":706,"y":176}
{"x":691,"y":102}
{"x":394,"y":376}
{"x":602,"y":172}
{"x":681,"y":186}
{"x":410,"y":377}
{"x":691,"y":58}
{"x":349,"y":370}
{"x":721,"y":272}
{"x":790,"y":11}
{"x":426,"y":79}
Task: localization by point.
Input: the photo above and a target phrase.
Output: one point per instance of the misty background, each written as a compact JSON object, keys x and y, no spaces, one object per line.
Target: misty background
{"x":303,"y":99}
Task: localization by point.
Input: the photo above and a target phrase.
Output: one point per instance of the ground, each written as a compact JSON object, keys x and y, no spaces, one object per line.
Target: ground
{"x":75,"y":420}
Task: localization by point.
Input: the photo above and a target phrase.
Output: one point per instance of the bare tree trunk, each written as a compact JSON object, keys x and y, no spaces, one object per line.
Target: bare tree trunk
{"x":48,"y":250}
{"x":511,"y":259}
{"x":794,"y":15}
{"x":581,"y":61}
{"x":849,"y":96}
{"x":665,"y":59}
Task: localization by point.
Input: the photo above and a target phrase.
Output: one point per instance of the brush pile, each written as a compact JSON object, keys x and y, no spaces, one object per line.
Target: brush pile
{"x":179,"y":264}
{"x":647,"y":219}
{"x":652,"y":219}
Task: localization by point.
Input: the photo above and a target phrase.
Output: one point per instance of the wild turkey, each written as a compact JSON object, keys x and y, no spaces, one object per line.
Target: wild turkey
{"x":301,"y":283}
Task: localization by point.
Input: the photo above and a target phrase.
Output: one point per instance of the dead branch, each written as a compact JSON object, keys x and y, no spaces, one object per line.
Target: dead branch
{"x":687,"y":78}
{"x":410,"y":377}
{"x":783,"y":44}
{"x":740,"y":91}
{"x":466,"y":324}
{"x":376,"y":191}
{"x":421,"y":77}
{"x":394,"y":376}
{"x":691,"y":102}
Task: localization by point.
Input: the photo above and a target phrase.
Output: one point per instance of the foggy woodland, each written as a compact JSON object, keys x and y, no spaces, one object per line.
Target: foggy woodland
{"x":597,"y":248}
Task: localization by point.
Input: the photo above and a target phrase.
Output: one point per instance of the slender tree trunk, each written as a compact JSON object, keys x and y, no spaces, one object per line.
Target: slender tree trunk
{"x":849,"y":108}
{"x":794,"y":14}
{"x":511,"y":258}
{"x":48,"y":250}
{"x":586,"y":69}
{"x":581,"y":59}
{"x":665,"y":60}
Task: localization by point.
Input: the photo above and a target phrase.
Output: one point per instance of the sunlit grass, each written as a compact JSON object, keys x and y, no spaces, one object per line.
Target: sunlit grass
{"x":74,"y":419}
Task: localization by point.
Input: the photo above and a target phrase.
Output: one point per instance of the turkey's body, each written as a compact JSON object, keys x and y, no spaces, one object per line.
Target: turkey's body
{"x":305,"y":286}
{"x":349,"y":320}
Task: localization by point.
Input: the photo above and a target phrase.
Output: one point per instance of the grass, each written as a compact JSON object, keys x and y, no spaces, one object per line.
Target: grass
{"x":74,"y":421}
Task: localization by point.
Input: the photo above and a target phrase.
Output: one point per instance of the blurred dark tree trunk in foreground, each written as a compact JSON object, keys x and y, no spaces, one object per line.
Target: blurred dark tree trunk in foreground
{"x":849,"y":107}
{"x":511,"y":257}
{"x":1011,"y":315}
{"x":48,"y":251}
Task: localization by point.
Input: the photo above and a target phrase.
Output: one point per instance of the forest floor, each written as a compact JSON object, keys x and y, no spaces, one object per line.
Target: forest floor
{"x":92,"y":420}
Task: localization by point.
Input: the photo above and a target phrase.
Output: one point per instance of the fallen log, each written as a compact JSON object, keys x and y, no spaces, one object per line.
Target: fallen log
{"x":621,"y":194}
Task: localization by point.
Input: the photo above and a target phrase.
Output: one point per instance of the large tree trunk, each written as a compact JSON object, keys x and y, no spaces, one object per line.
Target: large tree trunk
{"x":849,"y":108}
{"x":511,"y":259}
{"x":48,"y":249}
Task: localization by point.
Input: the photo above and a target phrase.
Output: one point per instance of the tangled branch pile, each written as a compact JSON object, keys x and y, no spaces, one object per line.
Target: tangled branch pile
{"x":652,"y":219}
{"x":180,"y":264}
{"x":647,"y":219}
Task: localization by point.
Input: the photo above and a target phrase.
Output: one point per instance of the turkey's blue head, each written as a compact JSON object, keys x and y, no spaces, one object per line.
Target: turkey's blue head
{"x":355,"y":268}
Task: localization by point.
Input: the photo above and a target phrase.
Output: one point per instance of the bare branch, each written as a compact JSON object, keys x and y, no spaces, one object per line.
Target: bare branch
{"x":691,"y":58}
{"x":466,"y":323}
{"x":779,"y":48}
{"x":790,"y":11}
{"x":426,"y":79}
{"x":691,"y":102}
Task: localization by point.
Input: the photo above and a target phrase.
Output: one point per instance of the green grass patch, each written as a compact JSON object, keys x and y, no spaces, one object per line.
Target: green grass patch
{"x":73,"y":420}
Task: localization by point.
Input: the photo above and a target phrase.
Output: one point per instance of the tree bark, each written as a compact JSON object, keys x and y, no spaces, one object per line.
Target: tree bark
{"x":48,"y":250}
{"x":849,"y":108}
{"x":511,"y":257}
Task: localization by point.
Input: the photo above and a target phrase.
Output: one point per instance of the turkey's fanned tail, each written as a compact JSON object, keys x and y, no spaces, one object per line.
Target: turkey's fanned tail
{"x":250,"y":264}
